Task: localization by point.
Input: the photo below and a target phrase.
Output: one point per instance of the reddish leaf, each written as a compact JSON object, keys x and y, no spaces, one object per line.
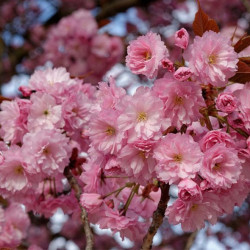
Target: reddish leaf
{"x":202,"y":22}
{"x":243,"y":43}
{"x":245,"y":60}
{"x":103,"y":22}
{"x":243,"y":73}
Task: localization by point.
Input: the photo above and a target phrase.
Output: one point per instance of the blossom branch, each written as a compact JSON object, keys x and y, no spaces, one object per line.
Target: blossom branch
{"x":84,"y":216}
{"x":191,"y":240}
{"x":116,"y":7}
{"x":157,"y":217}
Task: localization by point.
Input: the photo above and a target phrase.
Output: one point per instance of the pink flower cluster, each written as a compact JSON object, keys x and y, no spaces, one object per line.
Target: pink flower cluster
{"x":164,"y":134}
{"x":75,"y":44}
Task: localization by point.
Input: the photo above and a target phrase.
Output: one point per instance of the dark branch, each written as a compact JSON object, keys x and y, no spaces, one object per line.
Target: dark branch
{"x":158,"y":216}
{"x":118,"y":6}
{"x":84,"y":216}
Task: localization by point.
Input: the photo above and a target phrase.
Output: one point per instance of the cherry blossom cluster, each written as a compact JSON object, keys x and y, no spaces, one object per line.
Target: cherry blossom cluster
{"x":189,"y":130}
{"x":83,"y":51}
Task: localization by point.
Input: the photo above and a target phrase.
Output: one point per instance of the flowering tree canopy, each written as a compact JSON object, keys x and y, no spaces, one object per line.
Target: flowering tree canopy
{"x":106,"y":157}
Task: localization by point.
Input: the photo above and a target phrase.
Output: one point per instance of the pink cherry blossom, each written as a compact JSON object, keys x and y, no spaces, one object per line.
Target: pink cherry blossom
{"x":13,"y":119}
{"x":243,"y":96}
{"x":50,"y":153}
{"x":44,"y":113}
{"x":178,"y":157}
{"x":226,"y":102}
{"x":213,"y":137}
{"x":189,"y":190}
{"x":137,"y":160}
{"x":142,"y":119}
{"x":221,"y":166}
{"x":192,"y":214}
{"x":15,"y":173}
{"x":182,"y":100}
{"x":15,"y":226}
{"x":104,"y":132}
{"x":145,"y":54}
{"x":212,"y":58}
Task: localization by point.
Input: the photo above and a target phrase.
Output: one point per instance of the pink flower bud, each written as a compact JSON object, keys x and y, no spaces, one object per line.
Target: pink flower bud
{"x":182,"y":74}
{"x":181,"y":38}
{"x":167,"y":64}
{"x":189,"y":190}
{"x":226,"y":102}
{"x":25,"y":90}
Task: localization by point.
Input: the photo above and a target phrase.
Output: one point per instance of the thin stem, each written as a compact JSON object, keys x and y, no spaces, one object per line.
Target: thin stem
{"x":130,"y":198}
{"x":158,"y":216}
{"x":116,"y":177}
{"x":191,"y":240}
{"x":117,"y":191}
{"x":84,"y":215}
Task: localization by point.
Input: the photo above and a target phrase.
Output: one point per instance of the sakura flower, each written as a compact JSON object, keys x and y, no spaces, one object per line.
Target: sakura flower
{"x":243,"y":97}
{"x":212,"y":58}
{"x":104,"y":132}
{"x":109,"y":96}
{"x":76,"y":111}
{"x":15,"y":173}
{"x":189,"y":190}
{"x":178,"y":157}
{"x":55,"y":82}
{"x":137,"y":160}
{"x":221,"y":166}
{"x":145,"y":54}
{"x":48,"y":149}
{"x":181,"y":38}
{"x":44,"y":113}
{"x":13,"y":119}
{"x":142,"y":118}
{"x":128,"y":227}
{"x":226,"y":102}
{"x":15,"y":226}
{"x":182,"y":101}
{"x":192,"y":214}
{"x":213,"y":137}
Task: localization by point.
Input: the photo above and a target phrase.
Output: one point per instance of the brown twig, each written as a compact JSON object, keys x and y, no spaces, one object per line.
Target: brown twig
{"x":111,"y":9}
{"x":191,"y":240}
{"x":157,"y":217}
{"x":84,"y":216}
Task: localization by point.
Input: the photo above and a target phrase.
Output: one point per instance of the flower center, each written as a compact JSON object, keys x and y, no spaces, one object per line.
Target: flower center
{"x":110,"y":130}
{"x":212,"y":59}
{"x":45,"y":112}
{"x":194,"y":207}
{"x":147,"y":55}
{"x":178,"y":100}
{"x":142,"y":155}
{"x":19,"y":170}
{"x":46,"y":150}
{"x":142,"y":117}
{"x":177,"y":158}
{"x":217,"y":167}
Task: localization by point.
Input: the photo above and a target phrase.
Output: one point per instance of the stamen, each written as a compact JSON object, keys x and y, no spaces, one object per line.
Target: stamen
{"x":142,"y":117}
{"x":177,"y":157}
{"x":110,"y":130}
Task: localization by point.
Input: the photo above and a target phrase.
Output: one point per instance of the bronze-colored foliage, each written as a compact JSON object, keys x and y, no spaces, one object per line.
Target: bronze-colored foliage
{"x":202,"y":22}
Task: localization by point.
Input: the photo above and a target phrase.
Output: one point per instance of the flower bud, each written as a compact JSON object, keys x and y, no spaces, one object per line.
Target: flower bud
{"x":181,"y":38}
